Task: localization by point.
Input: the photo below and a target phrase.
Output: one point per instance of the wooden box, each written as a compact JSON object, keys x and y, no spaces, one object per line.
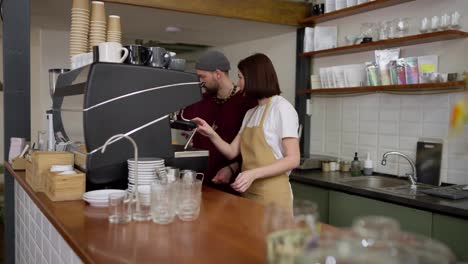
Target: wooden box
{"x":41,"y":161}
{"x":65,"y":187}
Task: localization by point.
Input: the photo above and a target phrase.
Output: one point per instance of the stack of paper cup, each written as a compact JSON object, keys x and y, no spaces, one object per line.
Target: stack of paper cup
{"x":315,"y":82}
{"x":79,"y":27}
{"x":97,"y":30}
{"x":114,"y":32}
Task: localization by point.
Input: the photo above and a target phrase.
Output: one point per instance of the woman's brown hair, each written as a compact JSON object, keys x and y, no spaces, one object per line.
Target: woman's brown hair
{"x":259,"y":76}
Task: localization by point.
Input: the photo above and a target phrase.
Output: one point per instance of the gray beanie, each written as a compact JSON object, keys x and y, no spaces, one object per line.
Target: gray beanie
{"x":213,"y":60}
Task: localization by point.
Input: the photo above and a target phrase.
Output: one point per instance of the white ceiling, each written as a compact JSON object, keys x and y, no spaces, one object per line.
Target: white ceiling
{"x":150,"y":24}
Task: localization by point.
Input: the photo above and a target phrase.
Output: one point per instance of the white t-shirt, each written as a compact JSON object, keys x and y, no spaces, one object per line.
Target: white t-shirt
{"x":281,"y":121}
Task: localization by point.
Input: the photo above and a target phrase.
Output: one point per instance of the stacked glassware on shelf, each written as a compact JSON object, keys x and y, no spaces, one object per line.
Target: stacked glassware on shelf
{"x":444,"y":22}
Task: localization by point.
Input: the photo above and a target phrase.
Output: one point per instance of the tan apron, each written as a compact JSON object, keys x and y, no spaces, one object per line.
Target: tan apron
{"x":257,"y":153}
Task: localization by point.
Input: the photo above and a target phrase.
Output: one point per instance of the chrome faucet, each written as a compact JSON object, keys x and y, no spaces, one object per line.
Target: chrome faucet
{"x":115,"y":138}
{"x":411,"y":176}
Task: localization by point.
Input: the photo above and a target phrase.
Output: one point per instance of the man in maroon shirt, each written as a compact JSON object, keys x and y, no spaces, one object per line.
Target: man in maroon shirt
{"x":223,"y":106}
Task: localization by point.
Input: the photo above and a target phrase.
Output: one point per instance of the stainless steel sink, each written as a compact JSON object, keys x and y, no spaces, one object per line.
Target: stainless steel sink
{"x":387,"y":185}
{"x":409,"y":190}
{"x":374,"y":182}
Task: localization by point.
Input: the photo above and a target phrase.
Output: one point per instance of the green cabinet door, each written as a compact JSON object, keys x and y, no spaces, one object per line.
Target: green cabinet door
{"x":318,"y":195}
{"x":344,"y":208}
{"x":453,"y":232}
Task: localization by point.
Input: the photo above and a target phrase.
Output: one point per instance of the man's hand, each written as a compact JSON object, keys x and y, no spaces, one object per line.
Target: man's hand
{"x":223,"y":176}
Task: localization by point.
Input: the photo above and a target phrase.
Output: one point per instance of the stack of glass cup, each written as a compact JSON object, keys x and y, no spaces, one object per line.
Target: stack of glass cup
{"x":174,"y":193}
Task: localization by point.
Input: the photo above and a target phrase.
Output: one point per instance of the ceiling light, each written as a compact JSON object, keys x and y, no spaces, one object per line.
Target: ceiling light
{"x":173,"y":29}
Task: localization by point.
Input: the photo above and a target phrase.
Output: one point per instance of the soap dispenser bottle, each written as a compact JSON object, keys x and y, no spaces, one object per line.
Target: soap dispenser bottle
{"x":355,"y":166}
{"x":368,"y":166}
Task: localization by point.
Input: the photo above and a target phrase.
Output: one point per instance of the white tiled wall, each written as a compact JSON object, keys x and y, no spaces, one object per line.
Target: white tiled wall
{"x":36,"y":239}
{"x":377,"y":123}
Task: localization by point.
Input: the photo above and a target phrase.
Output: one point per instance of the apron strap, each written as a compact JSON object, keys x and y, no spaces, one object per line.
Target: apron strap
{"x":264,"y":112}
{"x":250,"y":117}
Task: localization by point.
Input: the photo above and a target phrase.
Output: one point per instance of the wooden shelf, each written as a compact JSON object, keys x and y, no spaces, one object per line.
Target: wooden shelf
{"x":447,"y":86}
{"x":390,"y":43}
{"x":349,"y":11}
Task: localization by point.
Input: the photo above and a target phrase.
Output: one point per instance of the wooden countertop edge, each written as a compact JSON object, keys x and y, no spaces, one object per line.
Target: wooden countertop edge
{"x":44,"y":209}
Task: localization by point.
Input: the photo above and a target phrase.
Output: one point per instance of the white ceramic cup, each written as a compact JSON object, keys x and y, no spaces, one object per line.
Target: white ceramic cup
{"x":112,"y":52}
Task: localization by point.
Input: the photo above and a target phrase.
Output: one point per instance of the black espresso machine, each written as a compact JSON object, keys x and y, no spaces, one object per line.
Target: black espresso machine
{"x":97,"y":101}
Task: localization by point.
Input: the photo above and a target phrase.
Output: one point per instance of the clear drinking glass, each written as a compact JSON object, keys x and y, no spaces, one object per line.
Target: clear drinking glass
{"x":445,"y":21}
{"x":163,"y":201}
{"x":455,"y":20}
{"x":142,"y":210}
{"x":120,"y":208}
{"x":369,"y":30}
{"x":189,"y":199}
{"x":189,"y":175}
{"x":383,"y":30}
{"x":392,"y":29}
{"x":306,"y":215}
{"x":424,"y":25}
{"x":173,"y":173}
{"x":287,"y":235}
{"x":435,"y":22}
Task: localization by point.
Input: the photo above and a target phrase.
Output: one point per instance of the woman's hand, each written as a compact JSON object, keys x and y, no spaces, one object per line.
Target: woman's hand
{"x":244,"y":180}
{"x":223,"y":176}
{"x":204,"y":128}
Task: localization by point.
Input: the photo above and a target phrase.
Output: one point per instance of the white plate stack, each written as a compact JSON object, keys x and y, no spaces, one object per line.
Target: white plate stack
{"x":146,"y":171}
{"x":100,"y":198}
{"x":114,"y":31}
{"x":97,"y":30}
{"x":79,"y":27}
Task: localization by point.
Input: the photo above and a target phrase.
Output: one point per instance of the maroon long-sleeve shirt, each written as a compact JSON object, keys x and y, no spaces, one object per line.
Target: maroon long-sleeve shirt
{"x":226,"y":118}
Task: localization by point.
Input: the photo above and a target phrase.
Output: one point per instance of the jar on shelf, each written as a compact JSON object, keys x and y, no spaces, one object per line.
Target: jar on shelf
{"x":402,"y":26}
{"x":325,"y":166}
{"x":345,"y":166}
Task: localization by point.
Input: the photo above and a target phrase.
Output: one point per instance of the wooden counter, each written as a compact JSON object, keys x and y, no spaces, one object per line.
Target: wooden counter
{"x":229,"y":230}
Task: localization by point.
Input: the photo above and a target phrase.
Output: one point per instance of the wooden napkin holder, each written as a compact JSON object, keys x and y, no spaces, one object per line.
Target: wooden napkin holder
{"x":41,"y":161}
{"x":65,"y":187}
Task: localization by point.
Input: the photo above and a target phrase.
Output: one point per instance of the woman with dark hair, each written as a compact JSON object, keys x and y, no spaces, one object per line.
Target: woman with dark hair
{"x":268,"y":138}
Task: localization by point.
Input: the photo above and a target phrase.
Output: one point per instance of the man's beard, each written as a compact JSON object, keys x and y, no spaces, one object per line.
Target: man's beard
{"x":212,"y":90}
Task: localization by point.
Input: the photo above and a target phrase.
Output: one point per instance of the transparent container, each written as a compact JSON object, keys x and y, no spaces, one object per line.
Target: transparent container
{"x":345,"y":166}
{"x":376,"y":240}
{"x":369,"y":30}
{"x":402,"y":26}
